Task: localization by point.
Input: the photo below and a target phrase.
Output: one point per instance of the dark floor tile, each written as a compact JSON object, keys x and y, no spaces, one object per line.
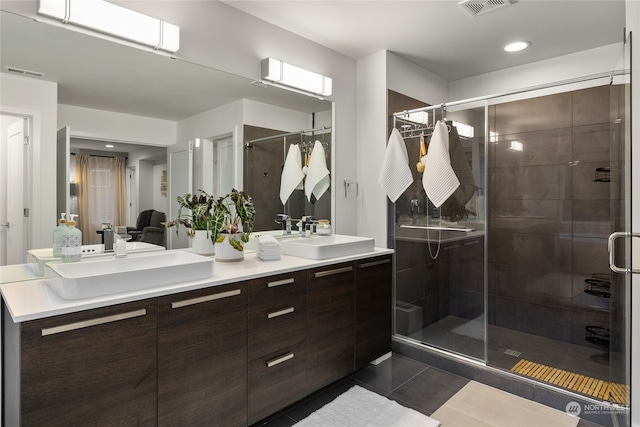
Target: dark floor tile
{"x":585,"y":423}
{"x":429,"y":390}
{"x":390,"y":374}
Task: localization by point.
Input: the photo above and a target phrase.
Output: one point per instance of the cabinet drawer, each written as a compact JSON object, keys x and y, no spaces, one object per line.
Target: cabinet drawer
{"x":276,"y":381}
{"x":276,"y":327}
{"x":274,"y":290}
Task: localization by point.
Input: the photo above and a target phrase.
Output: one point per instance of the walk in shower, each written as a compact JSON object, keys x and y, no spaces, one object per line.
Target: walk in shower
{"x":514,"y":274}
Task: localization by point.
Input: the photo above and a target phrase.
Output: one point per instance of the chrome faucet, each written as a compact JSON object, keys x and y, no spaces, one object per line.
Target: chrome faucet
{"x":107,"y":236}
{"x":285,"y":221}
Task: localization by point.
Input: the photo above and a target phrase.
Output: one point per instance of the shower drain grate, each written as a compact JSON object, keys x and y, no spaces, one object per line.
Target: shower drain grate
{"x":513,"y":353}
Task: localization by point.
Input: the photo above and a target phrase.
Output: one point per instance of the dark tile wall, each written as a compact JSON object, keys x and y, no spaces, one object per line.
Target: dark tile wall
{"x":263,"y":163}
{"x":548,"y":220}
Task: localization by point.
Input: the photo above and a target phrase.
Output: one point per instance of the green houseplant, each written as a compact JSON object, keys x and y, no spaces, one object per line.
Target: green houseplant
{"x":232,"y":215}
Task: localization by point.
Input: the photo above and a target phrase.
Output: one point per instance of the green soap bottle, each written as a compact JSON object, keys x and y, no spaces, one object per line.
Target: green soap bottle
{"x":57,"y":235}
{"x":71,"y":241}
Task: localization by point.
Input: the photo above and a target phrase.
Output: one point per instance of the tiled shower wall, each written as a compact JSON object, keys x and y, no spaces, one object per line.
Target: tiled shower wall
{"x":548,"y":218}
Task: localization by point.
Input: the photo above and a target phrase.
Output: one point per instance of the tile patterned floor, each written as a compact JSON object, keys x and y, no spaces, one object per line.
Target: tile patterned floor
{"x":458,"y":401}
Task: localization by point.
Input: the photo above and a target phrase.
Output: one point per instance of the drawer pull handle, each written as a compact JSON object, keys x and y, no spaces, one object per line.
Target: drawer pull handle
{"x":279,"y":360}
{"x":205,"y":298}
{"x":280,"y":313}
{"x":280,"y":282}
{"x":332,"y":272}
{"x":93,"y":322}
{"x":374,"y":263}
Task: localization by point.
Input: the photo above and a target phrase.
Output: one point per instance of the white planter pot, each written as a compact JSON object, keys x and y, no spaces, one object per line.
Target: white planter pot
{"x":201,"y":243}
{"x":227,"y":253}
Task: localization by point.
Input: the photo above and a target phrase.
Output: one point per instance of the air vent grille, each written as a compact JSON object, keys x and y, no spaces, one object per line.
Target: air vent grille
{"x":478,"y":7}
{"x":23,"y":72}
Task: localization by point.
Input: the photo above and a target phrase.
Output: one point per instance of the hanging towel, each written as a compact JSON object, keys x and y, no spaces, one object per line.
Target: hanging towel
{"x":439,"y":179}
{"x":292,"y":175}
{"x":395,"y":175}
{"x":462,"y":169}
{"x":318,"y":180}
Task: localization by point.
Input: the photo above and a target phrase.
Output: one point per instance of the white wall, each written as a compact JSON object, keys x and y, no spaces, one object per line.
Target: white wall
{"x":372,"y":129}
{"x":585,"y":63}
{"x":109,"y":126}
{"x":38,"y":99}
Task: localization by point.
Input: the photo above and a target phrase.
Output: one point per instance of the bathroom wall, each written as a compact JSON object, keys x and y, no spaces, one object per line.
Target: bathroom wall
{"x":548,"y":217}
{"x":38,"y":99}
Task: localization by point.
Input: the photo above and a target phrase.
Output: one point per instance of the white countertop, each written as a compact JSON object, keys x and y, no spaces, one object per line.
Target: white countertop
{"x":33,"y":299}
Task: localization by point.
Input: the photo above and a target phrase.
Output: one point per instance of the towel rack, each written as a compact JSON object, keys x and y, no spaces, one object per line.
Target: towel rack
{"x":434,"y":227}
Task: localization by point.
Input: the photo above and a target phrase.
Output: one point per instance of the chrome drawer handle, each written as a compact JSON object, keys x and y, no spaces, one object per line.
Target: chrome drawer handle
{"x":93,"y":322}
{"x":205,"y":298}
{"x":280,"y":313}
{"x":280,"y":283}
{"x":279,"y":360}
{"x":332,"y":272}
{"x":374,"y":263}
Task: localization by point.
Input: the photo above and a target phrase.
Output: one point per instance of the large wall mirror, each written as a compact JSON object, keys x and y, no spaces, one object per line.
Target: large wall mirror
{"x":182,"y":126}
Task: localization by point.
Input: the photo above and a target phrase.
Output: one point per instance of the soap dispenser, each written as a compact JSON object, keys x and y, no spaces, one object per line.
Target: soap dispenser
{"x":57,"y":235}
{"x":71,"y":241}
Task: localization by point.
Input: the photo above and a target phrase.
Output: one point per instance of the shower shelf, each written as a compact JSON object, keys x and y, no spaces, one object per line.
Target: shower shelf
{"x":603,"y":175}
{"x":597,"y":335}
{"x":433,"y":227}
{"x":598,"y":288}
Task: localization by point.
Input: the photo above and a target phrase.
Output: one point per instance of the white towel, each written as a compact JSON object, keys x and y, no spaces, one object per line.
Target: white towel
{"x":318,"y":180}
{"x":267,"y":241}
{"x":292,"y":175}
{"x":395,"y":175}
{"x":439,"y":179}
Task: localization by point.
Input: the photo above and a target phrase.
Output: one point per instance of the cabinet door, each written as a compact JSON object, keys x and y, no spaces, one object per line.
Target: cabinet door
{"x":374,"y":278}
{"x":330,"y":324}
{"x":93,"y":368}
{"x":202,"y":357}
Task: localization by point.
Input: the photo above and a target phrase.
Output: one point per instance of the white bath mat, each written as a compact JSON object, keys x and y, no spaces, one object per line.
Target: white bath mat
{"x":359,"y":407}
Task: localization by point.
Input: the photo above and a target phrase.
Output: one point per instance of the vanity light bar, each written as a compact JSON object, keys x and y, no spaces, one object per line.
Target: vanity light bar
{"x":114,"y":20}
{"x":285,"y":74}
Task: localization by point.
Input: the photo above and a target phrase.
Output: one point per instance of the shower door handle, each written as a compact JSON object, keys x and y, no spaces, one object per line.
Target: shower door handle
{"x":611,"y":250}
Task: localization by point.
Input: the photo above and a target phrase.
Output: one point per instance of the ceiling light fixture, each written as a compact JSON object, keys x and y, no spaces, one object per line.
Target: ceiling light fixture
{"x":285,"y":74}
{"x":517,"y":46}
{"x":114,"y":20}
{"x":109,"y":145}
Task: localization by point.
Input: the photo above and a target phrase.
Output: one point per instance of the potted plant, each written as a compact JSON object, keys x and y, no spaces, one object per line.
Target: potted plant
{"x":197,"y":222}
{"x":232,"y":220}
{"x":227,"y":221}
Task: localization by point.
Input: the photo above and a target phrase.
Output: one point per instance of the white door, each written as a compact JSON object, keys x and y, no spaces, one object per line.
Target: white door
{"x":16,"y":203}
{"x":132,"y":196}
{"x":180,"y":182}
{"x":63,"y":155}
{"x":225,"y":161}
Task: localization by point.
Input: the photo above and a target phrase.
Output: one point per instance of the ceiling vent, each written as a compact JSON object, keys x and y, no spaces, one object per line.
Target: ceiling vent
{"x":478,"y":7}
{"x":23,"y":72}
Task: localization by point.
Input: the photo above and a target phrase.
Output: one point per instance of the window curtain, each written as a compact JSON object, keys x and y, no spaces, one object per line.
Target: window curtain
{"x":101,"y":194}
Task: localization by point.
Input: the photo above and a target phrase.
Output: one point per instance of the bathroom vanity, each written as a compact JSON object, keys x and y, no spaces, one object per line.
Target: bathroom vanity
{"x":229,"y":351}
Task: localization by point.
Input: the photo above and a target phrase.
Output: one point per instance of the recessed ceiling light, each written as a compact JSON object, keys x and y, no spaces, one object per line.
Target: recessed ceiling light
{"x":516,"y":46}
{"x":109,"y":145}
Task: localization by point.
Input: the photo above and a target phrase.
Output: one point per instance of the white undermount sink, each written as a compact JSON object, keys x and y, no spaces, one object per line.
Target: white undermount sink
{"x":322,"y":247}
{"x":103,"y":276}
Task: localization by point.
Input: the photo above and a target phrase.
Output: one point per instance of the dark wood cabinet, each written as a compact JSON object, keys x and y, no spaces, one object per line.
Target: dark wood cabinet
{"x":330,"y":324}
{"x":227,"y":355}
{"x":277,"y":314}
{"x":202,"y":357}
{"x":374,"y":278}
{"x":94,"y":368}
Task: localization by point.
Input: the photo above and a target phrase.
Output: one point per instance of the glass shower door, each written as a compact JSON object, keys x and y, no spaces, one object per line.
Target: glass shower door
{"x":440,"y":286}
